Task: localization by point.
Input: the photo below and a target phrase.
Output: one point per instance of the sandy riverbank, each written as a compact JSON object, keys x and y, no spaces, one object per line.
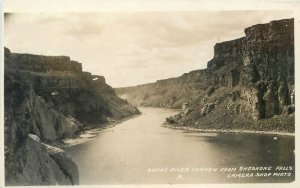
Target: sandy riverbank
{"x":228,"y":131}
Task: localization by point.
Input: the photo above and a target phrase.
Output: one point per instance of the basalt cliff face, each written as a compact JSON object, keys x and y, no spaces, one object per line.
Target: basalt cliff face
{"x":249,"y":84}
{"x":47,"y":99}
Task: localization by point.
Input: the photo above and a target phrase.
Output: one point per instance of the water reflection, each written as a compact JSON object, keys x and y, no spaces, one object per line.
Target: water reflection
{"x":140,"y":151}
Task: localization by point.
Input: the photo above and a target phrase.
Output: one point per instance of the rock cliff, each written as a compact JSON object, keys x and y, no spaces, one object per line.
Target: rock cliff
{"x":248,"y":84}
{"x":47,"y":99}
{"x":170,"y":93}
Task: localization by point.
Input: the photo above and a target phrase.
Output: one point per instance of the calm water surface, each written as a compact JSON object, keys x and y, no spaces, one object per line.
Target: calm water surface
{"x":140,"y":151}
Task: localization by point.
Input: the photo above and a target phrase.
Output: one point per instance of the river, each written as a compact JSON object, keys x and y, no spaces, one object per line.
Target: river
{"x":141,"y":151}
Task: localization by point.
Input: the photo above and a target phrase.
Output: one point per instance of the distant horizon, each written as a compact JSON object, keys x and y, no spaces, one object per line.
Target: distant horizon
{"x":131,"y":49}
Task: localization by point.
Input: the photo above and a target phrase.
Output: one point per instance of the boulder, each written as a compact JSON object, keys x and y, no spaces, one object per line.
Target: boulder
{"x":170,"y":120}
{"x":177,"y":117}
{"x":184,"y":106}
{"x":187,"y":111}
{"x":65,"y":162}
{"x":206,"y":109}
{"x":31,"y":164}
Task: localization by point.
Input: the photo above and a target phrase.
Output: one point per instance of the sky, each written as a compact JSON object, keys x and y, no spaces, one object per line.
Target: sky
{"x":131,"y":48}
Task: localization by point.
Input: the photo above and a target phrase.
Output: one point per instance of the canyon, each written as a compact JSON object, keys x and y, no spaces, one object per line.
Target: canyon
{"x":47,"y":99}
{"x":248,"y":84}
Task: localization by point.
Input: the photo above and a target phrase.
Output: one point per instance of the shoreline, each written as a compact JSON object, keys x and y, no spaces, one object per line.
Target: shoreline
{"x":91,"y":132}
{"x":229,"y":131}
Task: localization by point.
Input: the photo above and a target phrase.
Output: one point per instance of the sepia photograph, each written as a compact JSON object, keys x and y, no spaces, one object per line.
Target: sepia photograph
{"x":148,"y":96}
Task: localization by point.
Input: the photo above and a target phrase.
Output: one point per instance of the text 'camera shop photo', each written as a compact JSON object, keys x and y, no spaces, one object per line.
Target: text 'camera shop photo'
{"x":165,"y":97}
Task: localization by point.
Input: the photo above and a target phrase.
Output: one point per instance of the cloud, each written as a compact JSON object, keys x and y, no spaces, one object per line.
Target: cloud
{"x":131,"y":48}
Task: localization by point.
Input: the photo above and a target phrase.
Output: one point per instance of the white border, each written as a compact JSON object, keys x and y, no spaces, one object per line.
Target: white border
{"x":154,"y":5}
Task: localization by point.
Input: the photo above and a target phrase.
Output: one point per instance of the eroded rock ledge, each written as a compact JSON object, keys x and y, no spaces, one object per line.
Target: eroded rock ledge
{"x":248,"y":84}
{"x":49,"y":98}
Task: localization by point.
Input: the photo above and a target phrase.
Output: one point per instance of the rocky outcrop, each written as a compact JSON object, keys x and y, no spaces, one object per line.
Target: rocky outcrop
{"x":32,"y":164}
{"x":65,"y":163}
{"x":251,"y":78}
{"x":47,"y":99}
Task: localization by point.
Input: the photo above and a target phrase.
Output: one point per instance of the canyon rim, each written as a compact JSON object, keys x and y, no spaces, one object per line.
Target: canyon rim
{"x":217,"y":105}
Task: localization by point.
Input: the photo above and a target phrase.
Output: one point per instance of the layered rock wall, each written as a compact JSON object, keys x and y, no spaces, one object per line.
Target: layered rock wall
{"x":47,"y":99}
{"x":252,"y":76}
{"x":169,"y":93}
